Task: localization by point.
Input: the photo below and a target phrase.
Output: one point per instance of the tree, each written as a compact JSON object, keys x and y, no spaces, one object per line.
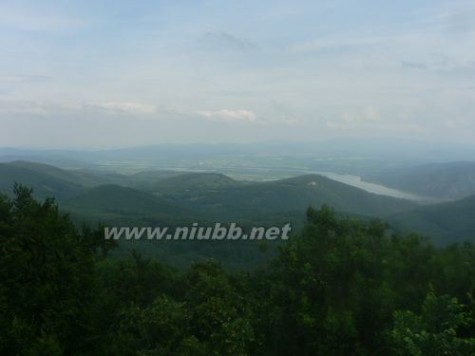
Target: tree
{"x":46,"y":279}
{"x":440,"y":329}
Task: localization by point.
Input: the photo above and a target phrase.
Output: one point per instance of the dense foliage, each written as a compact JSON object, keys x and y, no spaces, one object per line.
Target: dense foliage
{"x":342,"y":287}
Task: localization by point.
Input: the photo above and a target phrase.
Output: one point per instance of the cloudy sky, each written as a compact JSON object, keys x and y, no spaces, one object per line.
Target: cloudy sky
{"x":120,"y":73}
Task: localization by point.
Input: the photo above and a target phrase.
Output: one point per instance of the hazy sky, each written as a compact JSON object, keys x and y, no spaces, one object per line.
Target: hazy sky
{"x":120,"y":73}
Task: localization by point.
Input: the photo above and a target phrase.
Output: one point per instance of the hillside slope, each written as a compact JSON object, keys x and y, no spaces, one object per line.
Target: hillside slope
{"x":445,"y":223}
{"x":47,"y":181}
{"x":193,"y":181}
{"x":446,"y":181}
{"x":294,"y":194}
{"x":113,"y":202}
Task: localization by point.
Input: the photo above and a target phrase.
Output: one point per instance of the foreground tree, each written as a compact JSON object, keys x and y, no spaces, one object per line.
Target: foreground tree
{"x":334,"y":289}
{"x":344,"y":286}
{"x":47,"y":286}
{"x":444,"y":327}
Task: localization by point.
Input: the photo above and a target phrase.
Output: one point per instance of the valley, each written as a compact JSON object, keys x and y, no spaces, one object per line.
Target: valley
{"x":180,"y":197}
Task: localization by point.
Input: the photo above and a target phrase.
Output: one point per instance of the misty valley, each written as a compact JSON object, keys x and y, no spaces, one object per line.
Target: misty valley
{"x":207,"y":178}
{"x":398,"y":250}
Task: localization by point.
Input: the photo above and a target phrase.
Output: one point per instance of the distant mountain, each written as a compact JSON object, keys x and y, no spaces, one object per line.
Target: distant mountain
{"x":216,"y":197}
{"x":113,"y":202}
{"x":83,"y":177}
{"x":47,"y":181}
{"x":288,"y":195}
{"x":181,"y":194}
{"x":445,"y":181}
{"x":172,"y":197}
{"x":152,"y":176}
{"x":193,"y":181}
{"x":445,"y":222}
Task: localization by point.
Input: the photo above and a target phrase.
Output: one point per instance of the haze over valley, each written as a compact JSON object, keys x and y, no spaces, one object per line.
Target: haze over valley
{"x":252,"y":178}
{"x":252,"y":184}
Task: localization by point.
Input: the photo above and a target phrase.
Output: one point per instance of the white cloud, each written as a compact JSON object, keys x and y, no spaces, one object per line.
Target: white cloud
{"x":369,"y":117}
{"x":20,"y":78}
{"x":335,"y":43}
{"x":141,"y":67}
{"x":45,"y":108}
{"x":34,"y":108}
{"x":36,"y":18}
{"x":229,"y":115}
{"x":222,"y":40}
{"x":125,"y":107}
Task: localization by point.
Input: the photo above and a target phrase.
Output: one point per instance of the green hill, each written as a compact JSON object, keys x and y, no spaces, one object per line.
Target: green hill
{"x":289,"y":195}
{"x":83,"y":177}
{"x":180,"y":183}
{"x":169,"y":196}
{"x":47,"y":181}
{"x":113,"y":202}
{"x":147,"y":179}
{"x":447,"y":181}
{"x":444,"y":223}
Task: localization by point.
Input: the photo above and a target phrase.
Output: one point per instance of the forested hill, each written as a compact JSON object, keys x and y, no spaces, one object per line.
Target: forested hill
{"x":451,"y":221}
{"x":214,"y":194}
{"x":174,"y":197}
{"x":341,"y":287}
{"x":443,"y":181}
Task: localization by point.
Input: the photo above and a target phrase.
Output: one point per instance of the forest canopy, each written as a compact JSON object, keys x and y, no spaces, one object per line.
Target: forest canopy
{"x":342,"y":286}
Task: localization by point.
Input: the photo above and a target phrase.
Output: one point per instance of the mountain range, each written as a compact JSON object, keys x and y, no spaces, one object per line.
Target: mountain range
{"x":167,"y":197}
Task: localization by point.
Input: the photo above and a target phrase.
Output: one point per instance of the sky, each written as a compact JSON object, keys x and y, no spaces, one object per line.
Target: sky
{"x":78,"y":74}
